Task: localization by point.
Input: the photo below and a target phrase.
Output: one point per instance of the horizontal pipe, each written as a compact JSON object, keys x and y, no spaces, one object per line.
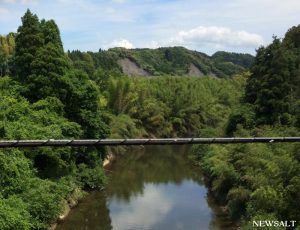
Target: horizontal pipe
{"x":143,"y":141}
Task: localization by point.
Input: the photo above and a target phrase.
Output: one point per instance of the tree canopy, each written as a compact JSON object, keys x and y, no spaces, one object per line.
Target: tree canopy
{"x":273,"y":86}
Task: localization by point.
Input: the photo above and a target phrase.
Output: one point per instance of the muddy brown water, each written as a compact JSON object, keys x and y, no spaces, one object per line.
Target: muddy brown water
{"x":151,"y":188}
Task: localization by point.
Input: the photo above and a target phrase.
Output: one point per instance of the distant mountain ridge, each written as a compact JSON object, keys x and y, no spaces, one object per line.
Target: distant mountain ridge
{"x":146,"y":62}
{"x":163,"y":61}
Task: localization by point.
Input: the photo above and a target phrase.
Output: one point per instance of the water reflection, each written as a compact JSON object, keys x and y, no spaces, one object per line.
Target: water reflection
{"x":167,"y":206}
{"x":132,"y":214}
{"x":151,"y":188}
{"x":154,"y":164}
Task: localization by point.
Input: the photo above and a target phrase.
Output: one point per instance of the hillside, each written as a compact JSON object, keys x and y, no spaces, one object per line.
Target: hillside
{"x":177,"y":61}
{"x":162,"y":61}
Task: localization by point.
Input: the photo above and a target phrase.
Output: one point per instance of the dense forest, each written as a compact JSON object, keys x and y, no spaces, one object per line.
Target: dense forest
{"x":47,"y":93}
{"x":43,"y":96}
{"x":175,"y":61}
{"x":259,"y":181}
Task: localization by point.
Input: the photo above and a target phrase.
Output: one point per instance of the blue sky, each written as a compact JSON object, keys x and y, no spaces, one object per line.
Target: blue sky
{"x":203,"y":25}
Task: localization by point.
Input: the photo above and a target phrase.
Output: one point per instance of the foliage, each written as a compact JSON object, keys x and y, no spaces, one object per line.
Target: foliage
{"x":45,"y":99}
{"x":273,"y":86}
{"x":254,"y":179}
{"x":51,"y":33}
{"x":7,"y":48}
{"x":48,"y":66}
{"x":243,"y":117}
{"x":244,"y":60}
{"x":15,"y":169}
{"x":44,"y":199}
{"x":174,"y":61}
{"x":175,"y":106}
{"x":232,"y":63}
{"x":261,"y":181}
{"x":39,"y":57}
{"x":14,"y":212}
{"x":81,"y":97}
{"x":28,"y":40}
{"x":93,"y":178}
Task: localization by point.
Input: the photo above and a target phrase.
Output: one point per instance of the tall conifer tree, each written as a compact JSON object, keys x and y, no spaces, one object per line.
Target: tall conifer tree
{"x":49,"y":65}
{"x":40,"y":57}
{"x":47,"y":68}
{"x":270,"y":86}
{"x":28,"y":40}
{"x":51,"y":33}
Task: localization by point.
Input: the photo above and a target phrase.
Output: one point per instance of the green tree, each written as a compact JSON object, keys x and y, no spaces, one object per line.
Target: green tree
{"x":49,"y":65}
{"x":2,"y":62}
{"x":14,"y":212}
{"x":291,"y":41}
{"x":28,"y":41}
{"x":51,"y":33}
{"x":40,"y":58}
{"x":269,"y":87}
{"x":82,"y":103}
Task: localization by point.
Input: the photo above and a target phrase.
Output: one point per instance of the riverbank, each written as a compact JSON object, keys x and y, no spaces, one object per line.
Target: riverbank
{"x":72,"y":201}
{"x":219,"y":206}
{"x":248,"y":180}
{"x":77,"y":195}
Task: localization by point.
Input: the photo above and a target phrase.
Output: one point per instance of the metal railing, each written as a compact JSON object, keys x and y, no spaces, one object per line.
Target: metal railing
{"x":143,"y":141}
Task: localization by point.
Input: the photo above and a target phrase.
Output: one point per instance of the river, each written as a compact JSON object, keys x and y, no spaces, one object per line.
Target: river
{"x":151,"y":188}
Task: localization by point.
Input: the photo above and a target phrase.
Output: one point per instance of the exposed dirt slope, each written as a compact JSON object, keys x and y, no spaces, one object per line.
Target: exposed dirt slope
{"x":195,"y":71}
{"x":130,"y":68}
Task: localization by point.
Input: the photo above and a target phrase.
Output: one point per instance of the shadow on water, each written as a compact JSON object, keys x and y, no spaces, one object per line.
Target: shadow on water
{"x":150,"y":188}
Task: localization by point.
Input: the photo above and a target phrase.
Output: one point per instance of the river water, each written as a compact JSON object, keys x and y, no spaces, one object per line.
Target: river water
{"x":151,"y":188}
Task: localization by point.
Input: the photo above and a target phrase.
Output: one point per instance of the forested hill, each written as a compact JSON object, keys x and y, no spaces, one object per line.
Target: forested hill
{"x":177,"y":61}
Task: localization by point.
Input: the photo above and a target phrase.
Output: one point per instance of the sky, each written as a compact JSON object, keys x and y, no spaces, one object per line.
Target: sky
{"x":203,"y":25}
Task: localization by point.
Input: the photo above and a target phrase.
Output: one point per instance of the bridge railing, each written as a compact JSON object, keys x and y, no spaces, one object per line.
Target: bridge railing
{"x":143,"y":141}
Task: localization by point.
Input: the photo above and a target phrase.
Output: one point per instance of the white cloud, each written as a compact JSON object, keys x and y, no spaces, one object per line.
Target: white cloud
{"x":141,"y":212}
{"x":121,"y":43}
{"x":209,"y":39}
{"x":217,"y":37}
{"x":238,"y":25}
